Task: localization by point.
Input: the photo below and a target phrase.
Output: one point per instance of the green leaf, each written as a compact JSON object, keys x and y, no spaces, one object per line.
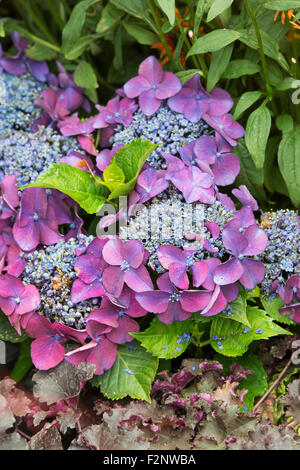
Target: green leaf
{"x":80,"y":45}
{"x":257,"y":133}
{"x":76,"y":183}
{"x":256,"y":383}
{"x":85,"y":76}
{"x":113,"y":176}
{"x":72,"y":30}
{"x":239,"y":67}
{"x":270,"y":47}
{"x":246,"y":100}
{"x":285,"y":123}
{"x":232,"y":338}
{"x":249,"y":175}
{"x":117,"y":382}
{"x":218,"y":64}
{"x":139,"y":33}
{"x":8,"y":332}
{"x":282,"y":5}
{"x":200,"y":10}
{"x":272,"y":308}
{"x":289,"y":163}
{"x":24,"y":362}
{"x":168,"y":7}
{"x":218,"y":7}
{"x":131,"y":159}
{"x":185,"y":75}
{"x":137,"y":8}
{"x":109,"y":18}
{"x":213,"y":41}
{"x":39,"y":52}
{"x":287,"y":83}
{"x":239,"y":312}
{"x":164,"y":341}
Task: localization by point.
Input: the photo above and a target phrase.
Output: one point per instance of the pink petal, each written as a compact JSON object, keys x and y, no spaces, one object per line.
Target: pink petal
{"x":229,"y":272}
{"x":46,"y":353}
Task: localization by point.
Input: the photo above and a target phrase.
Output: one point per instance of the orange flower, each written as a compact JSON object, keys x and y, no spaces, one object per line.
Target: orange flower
{"x":295,"y":26}
{"x":289,"y":14}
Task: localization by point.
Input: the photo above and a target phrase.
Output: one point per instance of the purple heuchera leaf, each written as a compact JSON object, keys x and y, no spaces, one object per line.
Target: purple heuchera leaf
{"x":126,"y":266}
{"x":152,"y":85}
{"x":36,"y":221}
{"x":170,"y":303}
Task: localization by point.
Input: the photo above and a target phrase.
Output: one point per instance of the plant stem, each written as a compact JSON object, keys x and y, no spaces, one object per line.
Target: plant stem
{"x":274,"y":384}
{"x":262,"y":55}
{"x":161,"y":34}
{"x":205,"y":343}
{"x":186,"y":41}
{"x":39,"y":22}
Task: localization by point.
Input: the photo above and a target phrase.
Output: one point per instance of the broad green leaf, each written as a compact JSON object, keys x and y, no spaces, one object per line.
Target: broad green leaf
{"x":287,"y":83}
{"x":131,"y":159}
{"x":80,"y":45}
{"x":246,"y":100}
{"x":185,"y":75}
{"x":272,"y":305}
{"x":218,"y":64}
{"x":200,"y":10}
{"x":218,"y":7}
{"x":285,"y":123}
{"x":213,"y":41}
{"x":249,"y":175}
{"x":239,"y":67}
{"x":232,"y":338}
{"x":239,"y":312}
{"x":270,"y":47}
{"x":256,"y":383}
{"x":140,"y":33}
{"x":8,"y":332}
{"x":257,"y":133}
{"x":113,"y":176}
{"x":132,"y":374}
{"x":39,"y":52}
{"x":137,"y":8}
{"x":85,"y":76}
{"x":168,"y":7}
{"x":289,"y":163}
{"x":109,"y":17}
{"x":272,"y":176}
{"x":76,"y":183}
{"x":165,"y":341}
{"x":24,"y":362}
{"x":282,"y":5}
{"x":72,"y":30}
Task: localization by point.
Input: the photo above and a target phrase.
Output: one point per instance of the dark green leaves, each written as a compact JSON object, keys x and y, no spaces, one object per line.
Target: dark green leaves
{"x":239,"y":67}
{"x":91,"y":192}
{"x":76,"y":183}
{"x":282,"y":5}
{"x":246,"y":100}
{"x":7,"y":332}
{"x":289,"y":163}
{"x":85,"y":76}
{"x":217,"y":7}
{"x":214,"y":41}
{"x":219,"y":62}
{"x":132,"y":374}
{"x":168,"y":7}
{"x":165,"y":341}
{"x":257,"y":133}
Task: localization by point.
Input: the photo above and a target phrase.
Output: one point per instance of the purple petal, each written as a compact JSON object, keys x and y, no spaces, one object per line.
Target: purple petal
{"x":178,"y":275}
{"x":193,"y":301}
{"x":200,"y":272}
{"x":153,"y":301}
{"x":253,"y":274}
{"x":228,"y":272}
{"x":133,"y":252}
{"x":151,"y":70}
{"x":113,"y":280}
{"x":121,"y":335}
{"x":226,"y":169}
{"x":81,"y":291}
{"x":138,"y":279}
{"x":112,"y":252}
{"x":136,"y":86}
{"x":46,"y":353}
{"x":257,"y":241}
{"x":169,"y":254}
{"x":169,"y":86}
{"x":149,"y":104}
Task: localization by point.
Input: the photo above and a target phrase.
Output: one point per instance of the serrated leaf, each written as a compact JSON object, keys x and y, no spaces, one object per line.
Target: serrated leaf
{"x":289,"y":163}
{"x":272,"y":308}
{"x":168,"y":7}
{"x":217,"y":8}
{"x":213,"y":41}
{"x":239,"y":312}
{"x":239,"y":67}
{"x":165,"y":341}
{"x":232,"y":338}
{"x":219,"y":62}
{"x":85,"y":76}
{"x":117,"y":382}
{"x":131,"y":159}
{"x":72,"y":30}
{"x":246,"y":100}
{"x":76,"y":183}
{"x":113,"y":176}
{"x":282,"y":5}
{"x":256,"y":383}
{"x":257,"y":132}
{"x":8,"y":332}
